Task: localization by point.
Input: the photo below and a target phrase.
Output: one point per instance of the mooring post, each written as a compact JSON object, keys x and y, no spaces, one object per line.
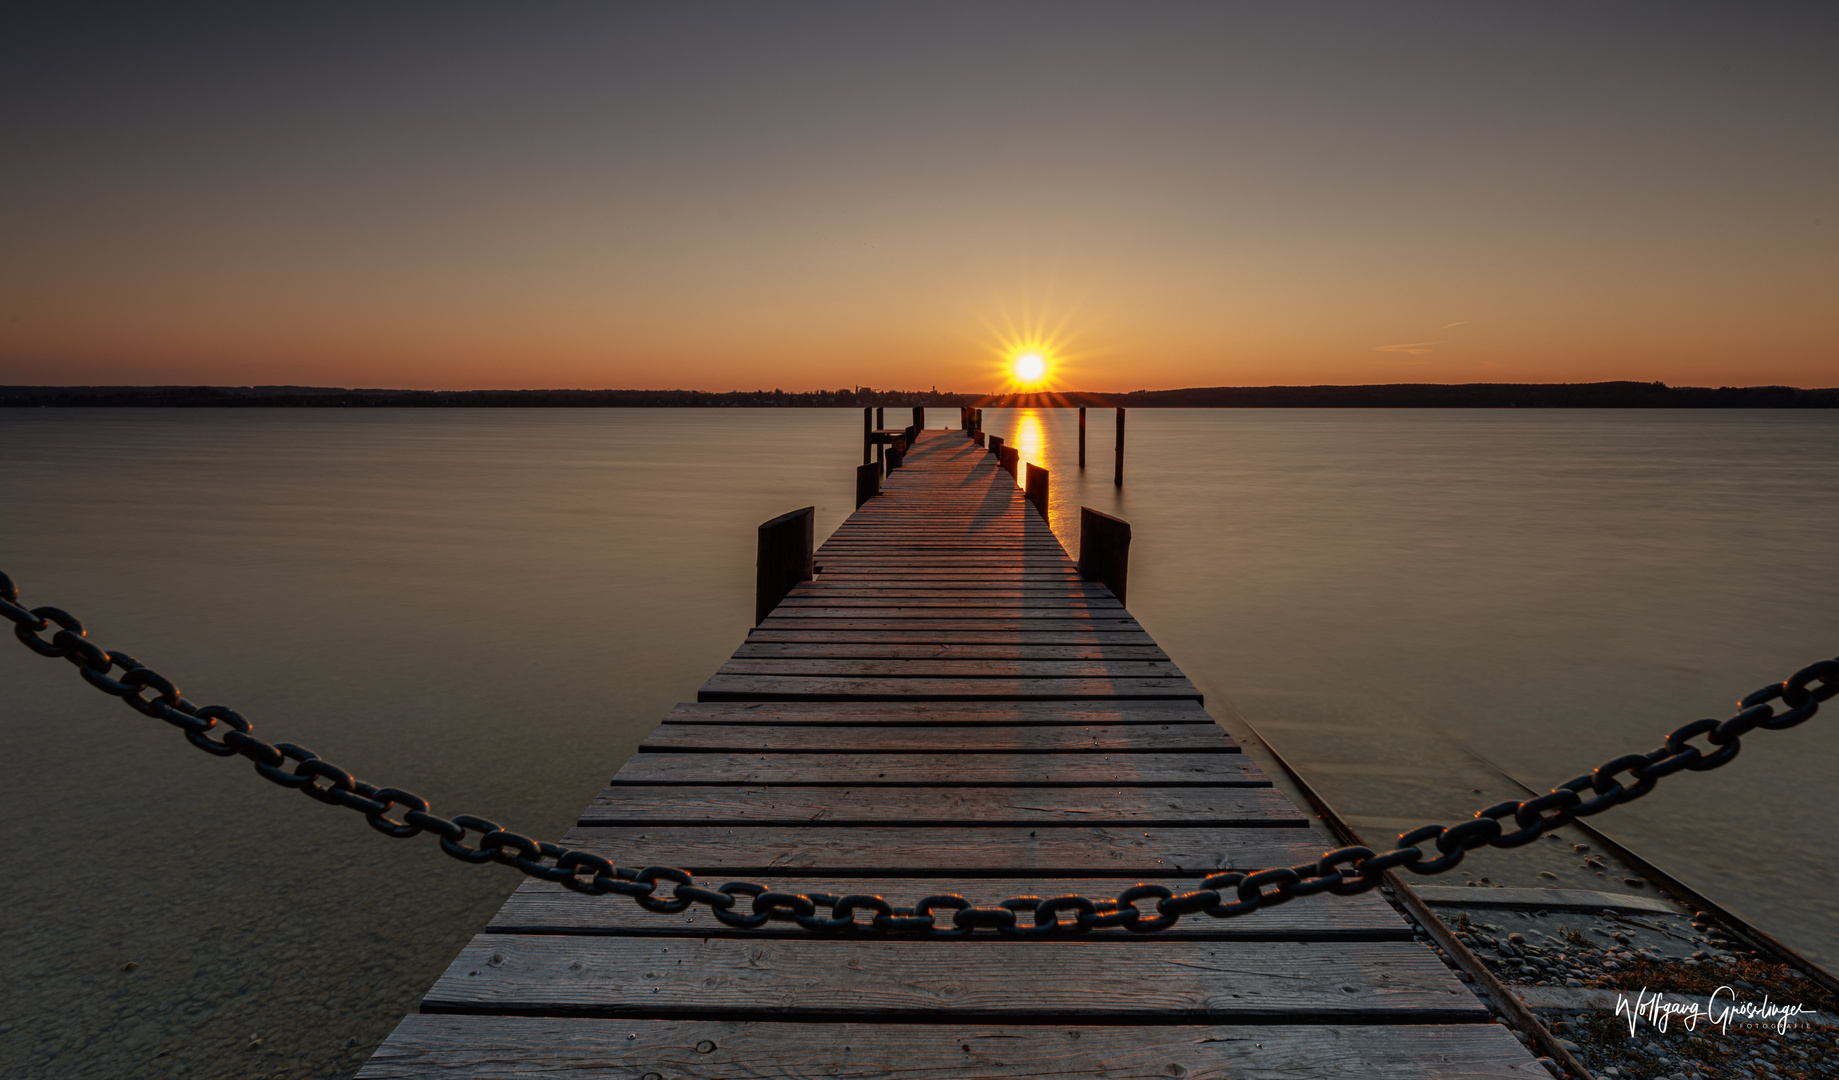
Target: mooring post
{"x":995,"y":446}
{"x":1082,"y":436}
{"x":868,"y":482}
{"x":1036,"y":488}
{"x":919,"y":417}
{"x":1104,"y":550}
{"x":897,"y":450}
{"x":784,"y":559}
{"x":1117,"y":472}
{"x":881,"y":422}
{"x":868,"y":433}
{"x":977,"y":437}
{"x":1011,"y":460}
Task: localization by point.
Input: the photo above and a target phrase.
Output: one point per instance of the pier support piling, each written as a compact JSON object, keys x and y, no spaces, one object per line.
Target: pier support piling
{"x":1117,"y":471}
{"x":784,"y":559}
{"x":1082,"y":436}
{"x":1104,"y":550}
{"x":1036,"y":489}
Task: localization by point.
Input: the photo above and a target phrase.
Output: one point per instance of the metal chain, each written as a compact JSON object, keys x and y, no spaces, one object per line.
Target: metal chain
{"x":1343,"y":871}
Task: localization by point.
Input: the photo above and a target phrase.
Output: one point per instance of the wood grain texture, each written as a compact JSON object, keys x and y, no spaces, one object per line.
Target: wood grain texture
{"x":955,"y":770}
{"x":1000,"y":611}
{"x":1071,"y":979}
{"x":942,"y":632}
{"x":955,"y":668}
{"x":899,"y":850}
{"x":1039,"y":739}
{"x":723,"y":687}
{"x":632,"y":804}
{"x":947,"y":713}
{"x":500,"y":1047}
{"x":764,"y":650}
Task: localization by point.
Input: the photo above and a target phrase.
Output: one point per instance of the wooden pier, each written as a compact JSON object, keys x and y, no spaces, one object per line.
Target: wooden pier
{"x":948,"y":707}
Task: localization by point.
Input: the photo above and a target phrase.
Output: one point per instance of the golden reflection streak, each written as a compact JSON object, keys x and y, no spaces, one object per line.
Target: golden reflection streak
{"x":1029,"y":437}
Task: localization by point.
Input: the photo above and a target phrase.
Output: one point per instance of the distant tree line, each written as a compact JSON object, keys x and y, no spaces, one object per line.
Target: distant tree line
{"x":1604,"y":395}
{"x":329,"y":397}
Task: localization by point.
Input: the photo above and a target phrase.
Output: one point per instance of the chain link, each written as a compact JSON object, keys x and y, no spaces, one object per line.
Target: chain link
{"x":1432,"y":849}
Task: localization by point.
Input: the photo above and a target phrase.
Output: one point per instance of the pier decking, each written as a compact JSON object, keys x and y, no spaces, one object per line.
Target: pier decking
{"x":948,"y":707}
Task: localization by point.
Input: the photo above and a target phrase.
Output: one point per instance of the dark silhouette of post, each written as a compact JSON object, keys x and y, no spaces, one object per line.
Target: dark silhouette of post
{"x":919,"y":416}
{"x":881,"y":422}
{"x":1104,"y":550}
{"x":868,"y":482}
{"x":1011,"y":460}
{"x":1117,"y":472}
{"x":868,"y":434}
{"x":1036,"y":489}
{"x":897,"y":452}
{"x":995,"y":446}
{"x":1082,"y":436}
{"x":784,"y":560}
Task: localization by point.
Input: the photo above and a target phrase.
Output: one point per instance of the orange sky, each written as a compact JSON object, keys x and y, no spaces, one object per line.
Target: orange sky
{"x":804,"y":197}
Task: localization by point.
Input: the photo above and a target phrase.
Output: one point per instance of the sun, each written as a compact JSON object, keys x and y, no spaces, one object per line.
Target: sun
{"x":1030,"y":368}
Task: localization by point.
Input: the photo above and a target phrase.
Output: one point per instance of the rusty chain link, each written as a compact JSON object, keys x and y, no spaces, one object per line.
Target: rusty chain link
{"x":1343,"y":871}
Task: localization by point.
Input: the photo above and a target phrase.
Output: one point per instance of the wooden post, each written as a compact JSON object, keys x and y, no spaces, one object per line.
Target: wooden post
{"x":977,"y":437}
{"x":1082,"y":436}
{"x":897,"y":451}
{"x":1036,"y":489}
{"x":1117,"y":471}
{"x":868,"y":428}
{"x":868,"y":482}
{"x":881,"y":423}
{"x":919,"y":417}
{"x":995,"y":445}
{"x":784,"y":560}
{"x":1011,"y":460}
{"x":1104,"y":550}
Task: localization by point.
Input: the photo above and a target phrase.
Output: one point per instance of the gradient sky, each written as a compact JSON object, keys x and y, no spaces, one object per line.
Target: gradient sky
{"x":722,"y":196}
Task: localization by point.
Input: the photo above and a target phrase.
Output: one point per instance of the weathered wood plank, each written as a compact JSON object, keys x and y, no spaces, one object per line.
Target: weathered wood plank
{"x":1070,"y":631}
{"x":941,"y":632}
{"x":1089,"y":979}
{"x":632,"y":804}
{"x":724,"y":687}
{"x":916,"y":668}
{"x":997,"y":850}
{"x":756,"y":650}
{"x":481,"y":1047}
{"x":1064,"y":739}
{"x":944,"y":770}
{"x":941,"y":713}
{"x":539,"y":907}
{"x":1073,"y":616}
{"x":1005,"y":602}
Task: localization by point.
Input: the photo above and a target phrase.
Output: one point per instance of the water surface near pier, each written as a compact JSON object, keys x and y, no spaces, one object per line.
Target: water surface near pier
{"x":492,"y":607}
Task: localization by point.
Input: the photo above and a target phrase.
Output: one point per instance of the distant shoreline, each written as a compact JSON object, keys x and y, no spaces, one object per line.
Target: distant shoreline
{"x":1603,"y":395}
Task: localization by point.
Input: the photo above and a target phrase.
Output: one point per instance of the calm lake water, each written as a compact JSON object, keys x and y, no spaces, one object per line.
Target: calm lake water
{"x":492,"y":608}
